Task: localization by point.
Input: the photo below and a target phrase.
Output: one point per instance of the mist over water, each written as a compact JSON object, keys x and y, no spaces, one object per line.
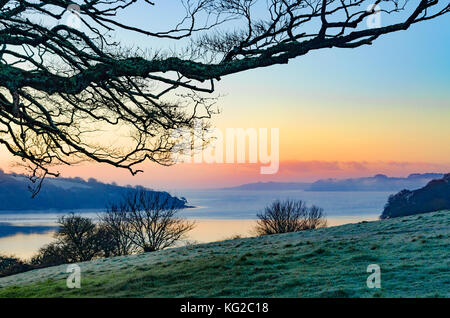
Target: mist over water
{"x":238,"y":204}
{"x":219,"y":214}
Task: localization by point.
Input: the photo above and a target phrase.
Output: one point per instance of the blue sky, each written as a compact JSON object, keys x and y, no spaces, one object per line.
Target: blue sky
{"x":388,"y":102}
{"x":413,"y":62}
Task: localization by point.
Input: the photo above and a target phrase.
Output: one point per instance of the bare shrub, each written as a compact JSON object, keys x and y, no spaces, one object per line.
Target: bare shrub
{"x":153,"y":223}
{"x":114,"y":223}
{"x":289,"y":216}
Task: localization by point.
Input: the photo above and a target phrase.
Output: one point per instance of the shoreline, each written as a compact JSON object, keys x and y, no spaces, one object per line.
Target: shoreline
{"x":25,"y":244}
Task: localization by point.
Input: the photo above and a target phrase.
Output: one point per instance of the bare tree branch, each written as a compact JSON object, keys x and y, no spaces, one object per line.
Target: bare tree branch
{"x":64,"y":88}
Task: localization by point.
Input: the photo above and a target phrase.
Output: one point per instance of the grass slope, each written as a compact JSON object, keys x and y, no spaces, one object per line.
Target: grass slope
{"x":413,"y":253}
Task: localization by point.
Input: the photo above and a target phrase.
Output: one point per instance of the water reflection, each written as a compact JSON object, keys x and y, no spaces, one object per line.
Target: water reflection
{"x":29,"y":239}
{"x":9,"y":229}
{"x":24,"y":245}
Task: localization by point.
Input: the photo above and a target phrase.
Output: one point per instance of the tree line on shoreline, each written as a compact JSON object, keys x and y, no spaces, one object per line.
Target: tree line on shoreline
{"x":434,"y":196}
{"x":147,"y":221}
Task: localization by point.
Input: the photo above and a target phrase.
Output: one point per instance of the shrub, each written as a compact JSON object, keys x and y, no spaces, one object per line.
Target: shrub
{"x":10,"y":265}
{"x":78,"y":237}
{"x":289,"y":216}
{"x":51,"y":255}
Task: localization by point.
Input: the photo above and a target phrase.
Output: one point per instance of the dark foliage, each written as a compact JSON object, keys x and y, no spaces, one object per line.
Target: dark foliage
{"x":79,"y":237}
{"x":434,"y":196}
{"x":61,"y":193}
{"x":10,"y":265}
{"x":51,"y":255}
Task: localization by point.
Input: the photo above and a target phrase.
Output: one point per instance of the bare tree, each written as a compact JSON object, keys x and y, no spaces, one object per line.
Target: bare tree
{"x":289,"y":216}
{"x":115,"y":222}
{"x":315,"y":218}
{"x":63,"y":83}
{"x":153,"y":220}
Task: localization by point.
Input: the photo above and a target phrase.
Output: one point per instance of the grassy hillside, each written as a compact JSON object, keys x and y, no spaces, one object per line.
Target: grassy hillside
{"x":413,"y":253}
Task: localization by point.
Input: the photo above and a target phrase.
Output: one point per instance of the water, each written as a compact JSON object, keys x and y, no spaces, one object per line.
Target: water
{"x":234,"y":204}
{"x":219,"y":214}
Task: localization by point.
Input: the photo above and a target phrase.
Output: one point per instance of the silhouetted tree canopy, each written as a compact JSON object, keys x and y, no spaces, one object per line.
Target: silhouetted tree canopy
{"x":435,"y":196}
{"x":63,"y":84}
{"x":63,"y":194}
{"x":78,"y":235}
{"x":10,"y":265}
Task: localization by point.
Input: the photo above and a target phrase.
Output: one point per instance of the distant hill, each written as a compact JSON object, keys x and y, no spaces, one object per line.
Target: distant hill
{"x":61,"y":194}
{"x":433,"y":197}
{"x":379,"y":182}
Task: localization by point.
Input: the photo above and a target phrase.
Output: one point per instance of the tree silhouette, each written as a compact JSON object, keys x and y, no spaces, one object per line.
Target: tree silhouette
{"x":289,"y":216}
{"x":63,"y":82}
{"x":150,"y":220}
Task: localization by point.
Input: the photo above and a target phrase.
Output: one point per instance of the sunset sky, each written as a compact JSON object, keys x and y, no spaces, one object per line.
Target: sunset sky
{"x":383,"y":108}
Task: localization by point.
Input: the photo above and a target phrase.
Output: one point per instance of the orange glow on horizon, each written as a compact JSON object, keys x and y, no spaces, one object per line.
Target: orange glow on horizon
{"x":326,"y":137}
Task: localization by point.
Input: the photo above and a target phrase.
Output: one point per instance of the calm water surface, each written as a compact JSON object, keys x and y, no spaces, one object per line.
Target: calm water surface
{"x":219,"y":214}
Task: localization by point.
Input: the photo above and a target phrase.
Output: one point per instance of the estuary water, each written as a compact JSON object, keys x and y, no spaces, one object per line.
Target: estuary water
{"x":219,"y":214}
